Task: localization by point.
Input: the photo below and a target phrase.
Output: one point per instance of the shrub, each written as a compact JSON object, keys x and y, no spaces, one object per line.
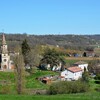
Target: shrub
{"x":5,"y":89}
{"x":64,"y":87}
{"x":97,"y":81}
{"x":97,"y":77}
{"x":97,"y":89}
{"x":85,"y":76}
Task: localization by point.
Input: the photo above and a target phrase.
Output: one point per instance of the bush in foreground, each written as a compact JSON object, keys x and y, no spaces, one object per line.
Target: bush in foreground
{"x":5,"y":89}
{"x":65,"y":87}
{"x":97,"y":77}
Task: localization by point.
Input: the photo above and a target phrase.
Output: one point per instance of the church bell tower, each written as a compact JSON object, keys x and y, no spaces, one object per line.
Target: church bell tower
{"x":5,"y":58}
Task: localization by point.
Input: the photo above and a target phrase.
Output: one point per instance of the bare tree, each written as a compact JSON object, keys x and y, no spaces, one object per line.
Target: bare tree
{"x":19,"y":73}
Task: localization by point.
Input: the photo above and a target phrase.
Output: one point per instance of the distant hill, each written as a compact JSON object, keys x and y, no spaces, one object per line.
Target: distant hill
{"x":71,"y":41}
{"x":96,"y":37}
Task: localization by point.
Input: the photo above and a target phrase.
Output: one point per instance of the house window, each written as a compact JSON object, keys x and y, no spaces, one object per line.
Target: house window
{"x":65,"y":74}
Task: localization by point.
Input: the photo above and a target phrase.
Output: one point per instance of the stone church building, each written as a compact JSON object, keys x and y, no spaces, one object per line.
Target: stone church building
{"x":5,"y":62}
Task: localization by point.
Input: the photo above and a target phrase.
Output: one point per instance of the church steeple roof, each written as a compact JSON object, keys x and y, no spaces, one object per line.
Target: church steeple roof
{"x":4,"y":47}
{"x":3,"y":39}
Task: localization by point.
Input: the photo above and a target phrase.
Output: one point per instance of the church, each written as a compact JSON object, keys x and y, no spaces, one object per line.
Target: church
{"x":5,"y":62}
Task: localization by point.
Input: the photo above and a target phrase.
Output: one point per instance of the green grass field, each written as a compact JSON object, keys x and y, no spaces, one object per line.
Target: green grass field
{"x":85,"y":96}
{"x":7,"y":81}
{"x":32,"y":83}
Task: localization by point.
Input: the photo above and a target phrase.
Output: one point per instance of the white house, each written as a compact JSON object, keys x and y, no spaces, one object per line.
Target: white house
{"x":82,"y":65}
{"x":72,"y":73}
{"x":64,"y":74}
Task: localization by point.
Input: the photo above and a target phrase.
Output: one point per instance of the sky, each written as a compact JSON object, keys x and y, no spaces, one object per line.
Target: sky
{"x":42,"y":17}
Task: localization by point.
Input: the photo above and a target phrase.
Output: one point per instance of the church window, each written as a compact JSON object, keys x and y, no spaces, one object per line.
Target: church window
{"x":5,"y":60}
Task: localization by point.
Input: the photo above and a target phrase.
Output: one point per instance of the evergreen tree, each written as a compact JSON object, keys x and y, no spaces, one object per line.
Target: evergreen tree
{"x":25,"y":51}
{"x":85,"y":76}
{"x":84,"y":54}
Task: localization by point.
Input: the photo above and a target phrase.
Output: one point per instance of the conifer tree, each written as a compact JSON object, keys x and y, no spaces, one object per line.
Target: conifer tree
{"x":25,"y":51}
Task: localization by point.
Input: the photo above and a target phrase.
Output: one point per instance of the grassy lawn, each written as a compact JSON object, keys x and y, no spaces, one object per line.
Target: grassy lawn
{"x":8,"y":79}
{"x":7,"y":82}
{"x":85,"y":96}
{"x":7,"y":76}
{"x":33,"y":83}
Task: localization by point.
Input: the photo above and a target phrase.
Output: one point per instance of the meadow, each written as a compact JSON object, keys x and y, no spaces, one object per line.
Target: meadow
{"x":8,"y":81}
{"x":8,"y":84}
{"x":83,"y":96}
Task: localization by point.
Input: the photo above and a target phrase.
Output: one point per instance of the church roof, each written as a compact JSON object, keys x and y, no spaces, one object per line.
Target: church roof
{"x":3,"y":39}
{"x":4,"y":48}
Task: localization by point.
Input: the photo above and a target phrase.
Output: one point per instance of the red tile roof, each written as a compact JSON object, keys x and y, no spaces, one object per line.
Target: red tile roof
{"x":74,"y":69}
{"x":61,"y":76}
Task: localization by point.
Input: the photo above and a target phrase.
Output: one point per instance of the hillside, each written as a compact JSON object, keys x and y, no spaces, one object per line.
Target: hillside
{"x":8,"y":92}
{"x":66,"y":41}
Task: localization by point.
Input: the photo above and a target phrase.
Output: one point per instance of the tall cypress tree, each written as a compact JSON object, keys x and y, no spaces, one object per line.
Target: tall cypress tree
{"x":25,"y":51}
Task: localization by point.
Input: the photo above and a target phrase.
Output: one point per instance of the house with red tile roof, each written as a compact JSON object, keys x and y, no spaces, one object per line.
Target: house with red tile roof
{"x":81,"y":64}
{"x":72,"y":73}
